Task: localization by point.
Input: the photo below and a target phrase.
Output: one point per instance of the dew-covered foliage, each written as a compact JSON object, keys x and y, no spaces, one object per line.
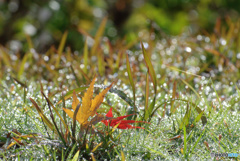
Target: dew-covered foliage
{"x":186,"y":87}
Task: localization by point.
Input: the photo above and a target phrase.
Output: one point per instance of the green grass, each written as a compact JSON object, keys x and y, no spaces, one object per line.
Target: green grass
{"x":190,"y":97}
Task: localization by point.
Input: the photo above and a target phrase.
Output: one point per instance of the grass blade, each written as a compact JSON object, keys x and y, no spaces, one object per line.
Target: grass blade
{"x":98,"y":36}
{"x":203,"y":118}
{"x":196,"y":143}
{"x":122,"y":95}
{"x":76,"y":78}
{"x":70,"y":93}
{"x":29,"y":42}
{"x":5,"y":57}
{"x":184,"y":140}
{"x":19,"y":82}
{"x":149,"y":113}
{"x":74,"y":121}
{"x":93,"y":158}
{"x":60,"y":48}
{"x":65,"y":125}
{"x":198,"y":117}
{"x":186,"y":117}
{"x":24,"y":60}
{"x":85,"y":56}
{"x":173,"y":96}
{"x":191,"y":88}
{"x":131,"y":80}
{"x":146,"y":94}
{"x":156,"y":152}
{"x":150,"y":68}
{"x":69,"y":154}
{"x":95,"y":148}
{"x":85,"y":77}
{"x":101,"y":65}
{"x":118,"y":61}
{"x":44,"y":118}
{"x":122,"y":156}
{"x":54,"y":122}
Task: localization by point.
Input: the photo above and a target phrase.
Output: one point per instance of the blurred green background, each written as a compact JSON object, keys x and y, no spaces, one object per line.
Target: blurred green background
{"x":46,"y":20}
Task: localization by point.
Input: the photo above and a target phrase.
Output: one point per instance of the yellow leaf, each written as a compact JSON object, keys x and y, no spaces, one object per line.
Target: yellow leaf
{"x":97,"y":101}
{"x":94,"y":149}
{"x":75,"y":158}
{"x":83,"y":113}
{"x":89,"y":106}
{"x":10,"y":145}
{"x":69,"y":112}
{"x":93,"y":158}
{"x":182,"y":150}
{"x":75,"y":101}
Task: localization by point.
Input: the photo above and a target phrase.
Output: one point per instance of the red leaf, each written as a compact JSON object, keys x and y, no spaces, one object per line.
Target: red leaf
{"x":124,"y":124}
